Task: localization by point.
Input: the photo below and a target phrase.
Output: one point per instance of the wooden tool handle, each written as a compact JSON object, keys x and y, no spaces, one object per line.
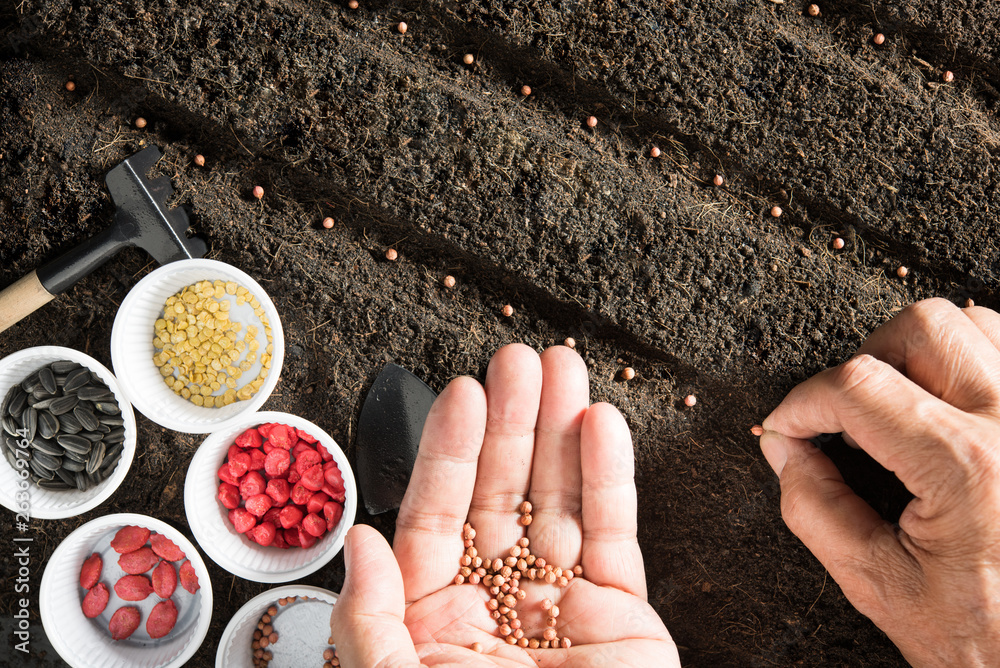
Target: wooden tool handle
{"x":22,"y":299}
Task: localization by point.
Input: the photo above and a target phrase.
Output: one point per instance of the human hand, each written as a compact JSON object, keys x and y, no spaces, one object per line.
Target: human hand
{"x":530,"y":434}
{"x":923,"y":399}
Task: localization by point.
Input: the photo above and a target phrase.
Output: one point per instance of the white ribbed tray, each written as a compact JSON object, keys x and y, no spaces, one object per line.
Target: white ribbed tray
{"x":209,"y":519}
{"x":53,"y":503}
{"x":132,"y":347}
{"x":301,"y":638}
{"x":87,"y":643}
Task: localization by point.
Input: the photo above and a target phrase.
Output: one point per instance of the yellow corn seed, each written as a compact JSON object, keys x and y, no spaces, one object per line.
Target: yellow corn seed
{"x":251,"y":358}
{"x":231,"y":288}
{"x":245,"y":366}
{"x":165,"y":370}
{"x":178,"y":308}
{"x":186,"y":393}
{"x":197,"y":399}
{"x":254,"y":345}
{"x":216,"y":365}
{"x":231,"y":383}
{"x":269,"y":349}
{"x":225,"y":305}
{"x":205,"y":390}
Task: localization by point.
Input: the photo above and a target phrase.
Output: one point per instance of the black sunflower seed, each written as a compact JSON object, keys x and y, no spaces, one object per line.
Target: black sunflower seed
{"x":75,"y":456}
{"x":92,"y":436}
{"x":116,"y":435}
{"x":30,"y":383}
{"x":68,"y":423}
{"x":48,"y":424}
{"x":64,"y":404}
{"x":50,"y":448}
{"x":41,"y":471}
{"x":53,"y":484}
{"x":63,"y":367}
{"x":95,"y":393}
{"x":107,"y":407}
{"x":10,"y":425}
{"x":82,"y":482}
{"x":17,"y":402}
{"x":9,"y":456}
{"x":48,"y":461}
{"x":76,"y":379}
{"x":5,"y":407}
{"x":29,"y":421}
{"x":70,"y":464}
{"x":87,"y":419}
{"x":111,"y":420}
{"x":42,"y":404}
{"x":74,"y":442}
{"x":66,"y":476}
{"x":11,"y":443}
{"x":47,"y":379}
{"x":110,"y":461}
{"x":96,"y":457}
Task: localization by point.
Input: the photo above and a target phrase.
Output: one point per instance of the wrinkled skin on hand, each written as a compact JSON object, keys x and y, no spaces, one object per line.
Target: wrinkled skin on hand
{"x":532,"y":434}
{"x":922,"y":397}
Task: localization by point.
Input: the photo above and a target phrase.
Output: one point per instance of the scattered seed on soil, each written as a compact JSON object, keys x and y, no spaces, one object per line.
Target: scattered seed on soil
{"x":468,"y":59}
{"x":70,"y":86}
{"x":690,"y":400}
{"x":258,"y":192}
{"x":902,"y":272}
{"x":591,"y":121}
{"x":526,"y":90}
{"x":948,"y":76}
{"x":140,"y":122}
{"x":570,"y":342}
{"x":654,"y":152}
{"x":718,"y":180}
{"x":353,"y":4}
{"x":199,"y":160}
{"x":879,"y":38}
{"x":448,"y":281}
{"x":508,"y":310}
{"x":838,"y":243}
{"x":628,"y":373}
{"x":391,"y":254}
{"x":328,"y":222}
{"x":757,"y":430}
{"x":776,"y":211}
{"x":813,"y":10}
{"x":402,"y":27}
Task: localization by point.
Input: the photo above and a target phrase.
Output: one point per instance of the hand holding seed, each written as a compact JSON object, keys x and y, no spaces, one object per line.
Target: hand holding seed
{"x":528,"y":435}
{"x":922,"y":397}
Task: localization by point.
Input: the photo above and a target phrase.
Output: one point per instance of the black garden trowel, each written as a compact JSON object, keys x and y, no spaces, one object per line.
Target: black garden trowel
{"x":392,"y":419}
{"x":142,"y":219}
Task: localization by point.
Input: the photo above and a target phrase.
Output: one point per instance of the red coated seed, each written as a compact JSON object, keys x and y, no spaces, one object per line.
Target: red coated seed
{"x":258,"y":192}
{"x":129,"y":538}
{"x":508,"y":310}
{"x":70,"y":86}
{"x":902,"y":272}
{"x":124,"y":622}
{"x":95,"y":601}
{"x":138,"y":561}
{"x":391,"y":254}
{"x":813,"y":10}
{"x":353,"y":4}
{"x":133,"y":587}
{"x":166,"y":548}
{"x":838,"y":243}
{"x":654,"y":152}
{"x":628,"y":373}
{"x":526,"y":90}
{"x":164,"y":579}
{"x":189,"y":579}
{"x":448,"y":281}
{"x":161,"y":619}
{"x":90,"y":573}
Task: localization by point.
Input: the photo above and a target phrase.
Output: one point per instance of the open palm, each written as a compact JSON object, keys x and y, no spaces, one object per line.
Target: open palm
{"x":530,"y":434}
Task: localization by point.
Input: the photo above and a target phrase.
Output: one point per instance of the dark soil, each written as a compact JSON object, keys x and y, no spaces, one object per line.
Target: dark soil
{"x":642,"y":260}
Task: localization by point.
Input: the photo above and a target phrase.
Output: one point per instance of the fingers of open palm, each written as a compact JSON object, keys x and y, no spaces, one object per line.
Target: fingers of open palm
{"x":513,"y":388}
{"x":555,"y":475}
{"x":610,"y":553}
{"x":941,"y":348}
{"x":368,"y":618}
{"x":428,"y":540}
{"x":858,"y":548}
{"x":988,"y":322}
{"x":901,"y":425}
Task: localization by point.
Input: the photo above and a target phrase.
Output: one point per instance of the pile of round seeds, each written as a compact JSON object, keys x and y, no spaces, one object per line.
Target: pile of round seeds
{"x":66,"y":423}
{"x":199,"y":349}
{"x":504,"y":577}
{"x":265,"y":636}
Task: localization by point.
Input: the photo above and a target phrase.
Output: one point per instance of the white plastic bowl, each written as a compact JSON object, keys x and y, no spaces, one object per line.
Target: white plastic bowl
{"x":209,"y":519}
{"x":49,"y":504}
{"x":234,"y":647}
{"x":86,"y":643}
{"x":132,"y":347}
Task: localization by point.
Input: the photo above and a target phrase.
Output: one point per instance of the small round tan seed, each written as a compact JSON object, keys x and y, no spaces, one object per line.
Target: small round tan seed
{"x":879,"y":38}
{"x":591,"y":121}
{"x":570,"y":342}
{"x":902,"y":272}
{"x":477,"y":647}
{"x":70,"y":86}
{"x":508,"y":310}
{"x":328,"y":223}
{"x":526,"y":90}
{"x":448,"y":281}
{"x":654,"y":152}
{"x":690,"y":400}
{"x":258,"y":192}
{"x":718,"y":180}
{"x":838,"y":243}
{"x":468,"y":59}
{"x":757,"y":430}
{"x":391,"y":254}
{"x":813,"y":10}
{"x":402,"y":28}
{"x":948,"y":76}
{"x":776,"y":211}
{"x":140,"y":122}
{"x":628,"y":373}
{"x":353,"y":4}
{"x":199,"y":160}
{"x":969,"y":303}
